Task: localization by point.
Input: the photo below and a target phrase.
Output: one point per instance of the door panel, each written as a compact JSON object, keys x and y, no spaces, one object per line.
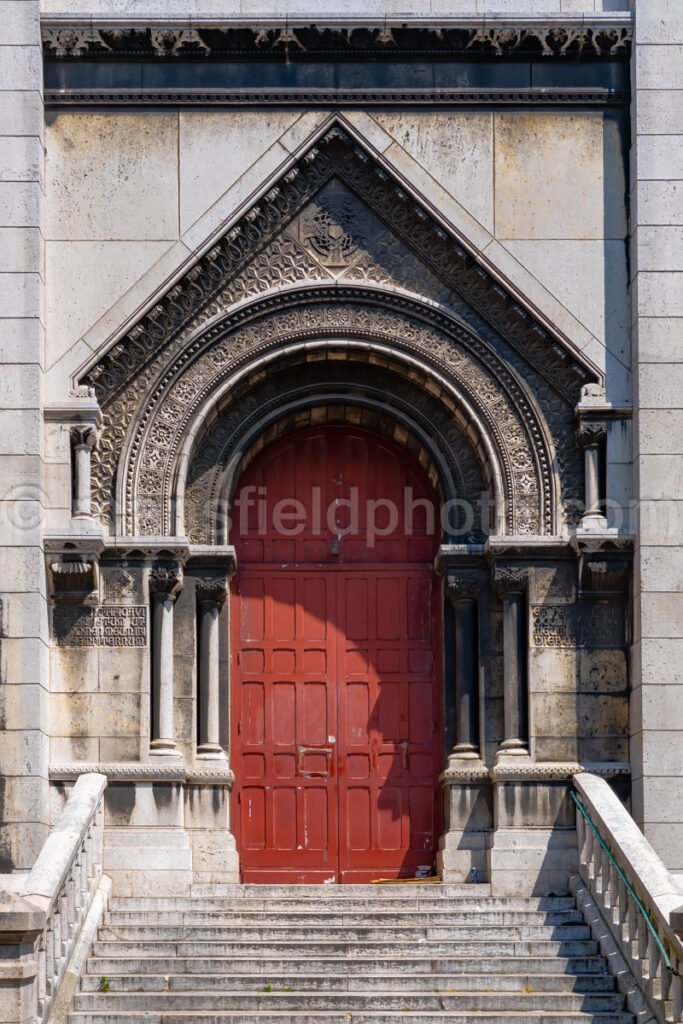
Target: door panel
{"x":337,"y":723}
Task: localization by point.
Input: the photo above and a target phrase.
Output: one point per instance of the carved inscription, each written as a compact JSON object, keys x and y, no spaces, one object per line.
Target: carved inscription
{"x":100,"y":627}
{"x":554,"y":626}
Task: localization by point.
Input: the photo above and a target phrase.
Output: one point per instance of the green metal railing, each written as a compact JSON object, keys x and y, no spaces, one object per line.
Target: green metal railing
{"x":636,"y":899}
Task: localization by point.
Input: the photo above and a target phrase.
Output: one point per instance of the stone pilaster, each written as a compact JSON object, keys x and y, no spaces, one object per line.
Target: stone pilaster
{"x":462,"y":592}
{"x":657,"y":290}
{"x":23,"y":602}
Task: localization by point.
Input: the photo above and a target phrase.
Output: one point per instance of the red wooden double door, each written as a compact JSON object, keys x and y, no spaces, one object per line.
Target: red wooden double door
{"x":336,"y":697}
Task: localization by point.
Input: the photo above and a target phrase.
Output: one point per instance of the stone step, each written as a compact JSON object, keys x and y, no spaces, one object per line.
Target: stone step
{"x":114,"y":1016}
{"x":419,"y":933}
{"x":295,"y":919}
{"x":324,"y":982}
{"x":265,"y":966}
{"x":443,"y":904}
{"x":366,"y":891}
{"x":303,"y":948}
{"x":503,"y":1002}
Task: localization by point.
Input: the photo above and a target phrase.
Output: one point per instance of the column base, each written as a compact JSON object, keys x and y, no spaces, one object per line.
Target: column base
{"x":464,"y":752}
{"x":211,"y":752}
{"x":163,"y":748}
{"x":510,"y":751}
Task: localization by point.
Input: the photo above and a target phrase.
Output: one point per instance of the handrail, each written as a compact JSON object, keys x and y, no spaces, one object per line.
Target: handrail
{"x":639,"y":903}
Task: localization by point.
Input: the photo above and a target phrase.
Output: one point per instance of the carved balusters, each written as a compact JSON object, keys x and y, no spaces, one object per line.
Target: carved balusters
{"x":211,"y":593}
{"x":511,"y":584}
{"x":165,"y":583}
{"x":462,"y":591}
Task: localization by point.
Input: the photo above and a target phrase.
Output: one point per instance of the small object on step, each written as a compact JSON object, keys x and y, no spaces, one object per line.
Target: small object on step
{"x":424,"y":871}
{"x":472,"y":878}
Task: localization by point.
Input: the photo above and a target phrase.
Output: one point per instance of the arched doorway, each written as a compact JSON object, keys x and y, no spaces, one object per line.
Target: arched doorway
{"x":336,"y":696}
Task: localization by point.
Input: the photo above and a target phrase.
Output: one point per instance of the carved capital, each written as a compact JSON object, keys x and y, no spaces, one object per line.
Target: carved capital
{"x":75,"y":580}
{"x":510,"y":579}
{"x":166,"y":580}
{"x":462,"y":586}
{"x":212,"y":589}
{"x":591,"y":433}
{"x":84,"y":435}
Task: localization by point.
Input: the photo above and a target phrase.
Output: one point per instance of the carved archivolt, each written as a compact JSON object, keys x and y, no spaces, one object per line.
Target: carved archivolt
{"x":325,"y":268}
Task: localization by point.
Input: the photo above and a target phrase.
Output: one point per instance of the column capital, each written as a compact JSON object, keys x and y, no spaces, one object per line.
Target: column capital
{"x":590,"y":432}
{"x":510,"y":579}
{"x":84,"y":435}
{"x":462,"y":586}
{"x":212,"y":589}
{"x":166,"y":580}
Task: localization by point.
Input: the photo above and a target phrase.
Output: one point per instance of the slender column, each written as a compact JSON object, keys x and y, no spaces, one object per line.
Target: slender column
{"x":211,"y":593}
{"x":83,"y":438}
{"x":511,"y":583}
{"x":591,"y":435}
{"x":165,"y":583}
{"x":462,"y":590}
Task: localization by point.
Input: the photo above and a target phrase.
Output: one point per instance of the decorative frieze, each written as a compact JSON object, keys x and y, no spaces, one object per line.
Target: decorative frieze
{"x":549,"y":41}
{"x":100,"y":627}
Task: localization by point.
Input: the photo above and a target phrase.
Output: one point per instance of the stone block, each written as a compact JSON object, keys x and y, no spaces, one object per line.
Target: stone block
{"x":551,"y":670}
{"x":658,"y":707}
{"x":532,"y":862}
{"x":74,"y":669}
{"x":26,"y":841}
{"x":112,"y":176}
{"x":24,"y":752}
{"x":25,"y":614}
{"x":459,"y":852}
{"x":123,"y":669}
{"x":144,"y":804}
{"x":659,"y":294}
{"x":20,"y":432}
{"x":667,"y":840}
{"x":21,"y":797}
{"x":659,"y":22}
{"x":659,"y":67}
{"x":23,"y":661}
{"x":134,"y":882}
{"x":659,"y":386}
{"x":660,"y":431}
{"x":20,"y":203}
{"x":659,"y":248}
{"x":555,"y":748}
{"x":216,"y":149}
{"x":660,"y":522}
{"x":658,"y":662}
{"x":123,"y":748}
{"x":658,"y":754}
{"x":74,"y":749}
{"x":456,"y":149}
{"x":207,"y":807}
{"x":661,"y":569}
{"x":659,"y":340}
{"x":535,"y":199}
{"x":21,"y":68}
{"x":84,"y":279}
{"x":603,"y":671}
{"x":553,"y":714}
{"x":659,"y":112}
{"x":20,"y":23}
{"x":101,"y":714}
{"x":57,"y":487}
{"x":215,"y":852}
{"x":21,"y":295}
{"x":20,"y":382}
{"x":21,"y":158}
{"x":602,"y":748}
{"x":24,"y":706}
{"x":22,"y":341}
{"x":660,"y":477}
{"x":658,"y":157}
{"x":22,"y":569}
{"x":21,"y":113}
{"x":661,"y":615}
{"x":20,"y":249}
{"x":658,"y":202}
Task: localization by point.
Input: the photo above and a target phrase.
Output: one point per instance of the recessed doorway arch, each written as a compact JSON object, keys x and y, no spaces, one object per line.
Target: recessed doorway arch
{"x":336,"y":690}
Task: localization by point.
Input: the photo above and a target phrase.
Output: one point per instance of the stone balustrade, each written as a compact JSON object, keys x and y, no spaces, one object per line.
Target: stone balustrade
{"x":40,"y":928}
{"x":638,"y":900}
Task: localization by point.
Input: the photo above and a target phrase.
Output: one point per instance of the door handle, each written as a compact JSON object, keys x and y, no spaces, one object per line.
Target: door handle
{"x":301,"y":753}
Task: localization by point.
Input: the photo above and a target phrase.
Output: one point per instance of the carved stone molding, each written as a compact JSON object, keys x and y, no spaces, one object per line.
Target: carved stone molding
{"x":212,"y":589}
{"x":590,"y":433}
{"x":532,"y":771}
{"x":510,"y":579}
{"x":175,"y":772}
{"x":462,"y":586}
{"x":166,"y":580}
{"x":327,"y":40}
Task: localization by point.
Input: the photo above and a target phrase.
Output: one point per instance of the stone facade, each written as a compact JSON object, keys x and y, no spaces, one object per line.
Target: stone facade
{"x":473,"y":266}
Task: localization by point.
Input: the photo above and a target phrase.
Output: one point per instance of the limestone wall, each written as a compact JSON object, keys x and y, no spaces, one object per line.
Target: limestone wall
{"x":657,"y":283}
{"x":23,"y":612}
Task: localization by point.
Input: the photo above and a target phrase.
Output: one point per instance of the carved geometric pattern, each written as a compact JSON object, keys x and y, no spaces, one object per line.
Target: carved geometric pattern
{"x":150,"y":380}
{"x":474,"y":370}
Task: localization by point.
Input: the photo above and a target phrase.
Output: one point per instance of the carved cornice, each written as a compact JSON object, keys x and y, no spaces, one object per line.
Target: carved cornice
{"x":166,"y":580}
{"x":76,"y":40}
{"x":532,"y":771}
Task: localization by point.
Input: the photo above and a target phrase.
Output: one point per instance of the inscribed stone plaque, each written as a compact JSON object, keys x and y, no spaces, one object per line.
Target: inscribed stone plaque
{"x":124,"y":626}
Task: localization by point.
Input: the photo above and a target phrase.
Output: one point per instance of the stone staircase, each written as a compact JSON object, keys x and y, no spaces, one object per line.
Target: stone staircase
{"x":448,"y":954}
